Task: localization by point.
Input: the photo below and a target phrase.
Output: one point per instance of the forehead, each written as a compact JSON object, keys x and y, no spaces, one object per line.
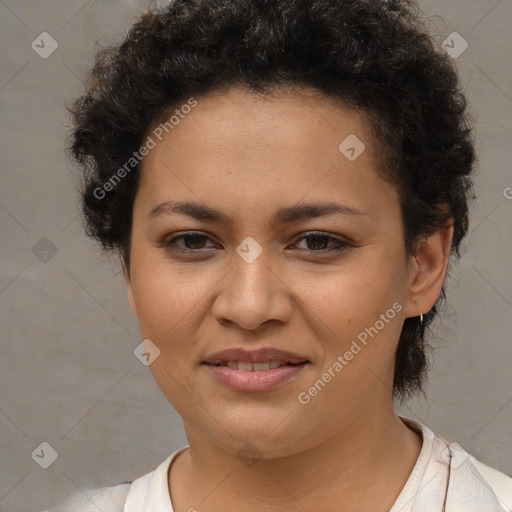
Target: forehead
{"x":239,"y":145}
{"x":296,"y":117}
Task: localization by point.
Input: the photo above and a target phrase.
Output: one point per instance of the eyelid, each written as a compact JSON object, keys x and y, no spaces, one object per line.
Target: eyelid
{"x":166,"y":242}
{"x":340,"y":242}
{"x":325,"y":234}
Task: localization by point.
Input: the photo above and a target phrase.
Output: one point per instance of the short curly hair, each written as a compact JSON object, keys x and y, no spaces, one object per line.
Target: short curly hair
{"x":374,"y":55}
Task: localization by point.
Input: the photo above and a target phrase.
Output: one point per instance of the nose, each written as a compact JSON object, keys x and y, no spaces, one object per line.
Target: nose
{"x":253,"y":294}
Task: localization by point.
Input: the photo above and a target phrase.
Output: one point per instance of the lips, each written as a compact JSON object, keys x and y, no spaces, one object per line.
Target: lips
{"x":254,"y":371}
{"x":254,"y":360}
{"x":247,"y":366}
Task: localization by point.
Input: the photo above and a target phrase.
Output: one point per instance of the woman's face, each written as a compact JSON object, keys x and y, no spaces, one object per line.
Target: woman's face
{"x":259,"y":278}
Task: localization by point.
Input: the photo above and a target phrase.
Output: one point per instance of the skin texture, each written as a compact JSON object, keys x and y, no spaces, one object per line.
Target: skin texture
{"x":249,"y":156}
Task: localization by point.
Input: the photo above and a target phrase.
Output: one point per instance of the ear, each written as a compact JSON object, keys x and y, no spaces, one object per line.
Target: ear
{"x":427,"y":271}
{"x":131,"y":300}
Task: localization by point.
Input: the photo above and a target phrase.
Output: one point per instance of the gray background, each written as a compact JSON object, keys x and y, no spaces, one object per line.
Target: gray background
{"x":67,"y":371}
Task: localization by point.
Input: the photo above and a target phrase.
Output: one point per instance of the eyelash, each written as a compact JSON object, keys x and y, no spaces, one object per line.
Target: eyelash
{"x":170,"y":243}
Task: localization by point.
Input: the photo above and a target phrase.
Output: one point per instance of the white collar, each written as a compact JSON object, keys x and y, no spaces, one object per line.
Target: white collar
{"x":151,"y":492}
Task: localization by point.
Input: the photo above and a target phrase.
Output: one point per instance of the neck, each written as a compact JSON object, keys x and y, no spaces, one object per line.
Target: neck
{"x":364,"y":468}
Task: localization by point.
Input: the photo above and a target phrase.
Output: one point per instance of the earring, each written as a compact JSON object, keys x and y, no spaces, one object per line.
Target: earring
{"x":421,"y":319}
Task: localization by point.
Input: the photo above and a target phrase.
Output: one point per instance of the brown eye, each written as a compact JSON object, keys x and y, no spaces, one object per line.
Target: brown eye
{"x":196,"y":243}
{"x":192,"y":242}
{"x":319,"y":242}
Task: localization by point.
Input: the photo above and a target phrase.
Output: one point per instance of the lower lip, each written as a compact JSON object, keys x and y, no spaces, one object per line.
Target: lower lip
{"x":255,"y":381}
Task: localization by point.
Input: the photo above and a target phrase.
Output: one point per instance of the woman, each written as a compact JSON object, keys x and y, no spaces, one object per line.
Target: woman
{"x":285,"y":182}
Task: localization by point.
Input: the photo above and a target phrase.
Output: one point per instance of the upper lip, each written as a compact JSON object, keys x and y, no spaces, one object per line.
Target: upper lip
{"x":261,"y":355}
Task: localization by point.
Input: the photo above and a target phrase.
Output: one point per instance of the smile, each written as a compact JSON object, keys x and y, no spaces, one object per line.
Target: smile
{"x":249,"y":377}
{"x":247,"y":366}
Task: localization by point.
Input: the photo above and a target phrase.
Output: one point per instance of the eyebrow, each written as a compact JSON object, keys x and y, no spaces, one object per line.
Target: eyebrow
{"x":282,"y":216}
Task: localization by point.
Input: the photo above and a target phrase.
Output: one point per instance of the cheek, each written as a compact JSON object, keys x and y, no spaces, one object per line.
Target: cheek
{"x":174,"y":382}
{"x":359,"y":304}
{"x":168,"y":304}
{"x":349,"y":297}
{"x":166,"y":298}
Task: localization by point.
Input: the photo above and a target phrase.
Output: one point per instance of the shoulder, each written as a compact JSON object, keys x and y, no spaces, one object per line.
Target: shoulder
{"x":148,"y":492}
{"x":106,"y":499}
{"x":498,"y":483}
{"x":473,"y":484}
{"x":446,"y":477}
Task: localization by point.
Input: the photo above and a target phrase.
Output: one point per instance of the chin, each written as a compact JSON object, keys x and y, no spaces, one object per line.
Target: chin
{"x":272,"y":437}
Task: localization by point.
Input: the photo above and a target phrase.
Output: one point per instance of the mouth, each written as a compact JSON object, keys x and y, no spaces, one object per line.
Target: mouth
{"x":247,"y":366}
{"x":255,"y":371}
{"x":262,"y":359}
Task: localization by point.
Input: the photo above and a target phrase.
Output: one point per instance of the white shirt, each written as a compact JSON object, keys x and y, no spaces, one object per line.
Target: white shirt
{"x":444,"y":475}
